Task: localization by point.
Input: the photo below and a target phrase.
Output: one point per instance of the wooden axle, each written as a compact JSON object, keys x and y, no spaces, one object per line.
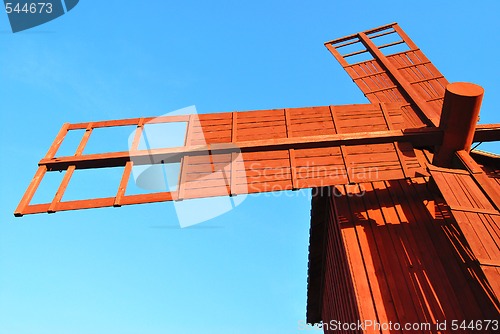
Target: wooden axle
{"x":462,"y":103}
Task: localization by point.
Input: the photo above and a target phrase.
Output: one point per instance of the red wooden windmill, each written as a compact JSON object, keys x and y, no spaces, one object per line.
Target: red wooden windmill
{"x":405,"y":220}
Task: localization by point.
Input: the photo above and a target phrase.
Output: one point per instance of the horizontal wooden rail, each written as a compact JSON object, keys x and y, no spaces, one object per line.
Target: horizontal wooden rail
{"x":487,"y":133}
{"x":368,"y":32}
{"x":130,"y":121}
{"x":418,"y":137}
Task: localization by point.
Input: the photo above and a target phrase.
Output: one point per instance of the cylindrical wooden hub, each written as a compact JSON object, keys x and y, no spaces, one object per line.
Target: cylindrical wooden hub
{"x":462,"y":102}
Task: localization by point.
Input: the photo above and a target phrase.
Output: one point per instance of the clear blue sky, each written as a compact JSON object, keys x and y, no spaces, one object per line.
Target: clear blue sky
{"x":132,"y":269}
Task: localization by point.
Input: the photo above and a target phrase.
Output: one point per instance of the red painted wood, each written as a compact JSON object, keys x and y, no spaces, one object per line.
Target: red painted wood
{"x":280,"y":149}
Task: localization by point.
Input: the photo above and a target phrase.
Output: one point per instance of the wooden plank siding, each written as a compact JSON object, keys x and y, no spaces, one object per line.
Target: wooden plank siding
{"x":411,"y":250}
{"x":393,"y":252}
{"x":477,"y":217}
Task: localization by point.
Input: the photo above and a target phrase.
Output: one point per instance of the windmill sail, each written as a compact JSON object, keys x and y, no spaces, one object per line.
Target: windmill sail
{"x":393,"y":69}
{"x":250,"y":152}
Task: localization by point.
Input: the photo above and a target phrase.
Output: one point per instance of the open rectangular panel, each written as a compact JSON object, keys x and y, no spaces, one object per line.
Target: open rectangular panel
{"x":125,"y":169}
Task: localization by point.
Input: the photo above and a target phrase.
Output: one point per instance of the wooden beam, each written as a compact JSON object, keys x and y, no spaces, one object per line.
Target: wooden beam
{"x":130,"y":121}
{"x":487,"y":133}
{"x":418,"y":137}
{"x":481,"y":179}
{"x":405,"y":84}
{"x":58,"y":141}
{"x":122,"y":188}
{"x":489,"y":262}
{"x":342,"y":148}
{"x":30,"y":192}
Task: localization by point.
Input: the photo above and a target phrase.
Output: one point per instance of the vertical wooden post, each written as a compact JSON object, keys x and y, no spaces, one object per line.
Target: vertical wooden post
{"x":179,"y":194}
{"x":291,"y":152}
{"x":122,"y":188}
{"x":40,"y":173}
{"x":234,"y":155}
{"x":462,"y":102}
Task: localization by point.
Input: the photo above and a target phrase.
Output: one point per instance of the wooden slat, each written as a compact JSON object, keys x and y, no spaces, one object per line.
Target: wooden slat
{"x":57,"y":141}
{"x":473,"y":212}
{"x":356,"y":263}
{"x":390,"y":126}
{"x":489,"y":262}
{"x":375,"y":91}
{"x":369,"y":75}
{"x":130,"y":121}
{"x":293,"y":169}
{"x":185,"y":162}
{"x":481,"y":179}
{"x":233,"y":187}
{"x":442,"y":230}
{"x":234,"y":138}
{"x":22,"y":207}
{"x":443,"y":298}
{"x":336,"y":121}
{"x":405,"y":262}
{"x":427,"y":81}
{"x":60,"y":191}
{"x":122,"y":187}
{"x":291,"y":152}
{"x":487,"y":133}
{"x":102,"y":202}
{"x":375,"y":246}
